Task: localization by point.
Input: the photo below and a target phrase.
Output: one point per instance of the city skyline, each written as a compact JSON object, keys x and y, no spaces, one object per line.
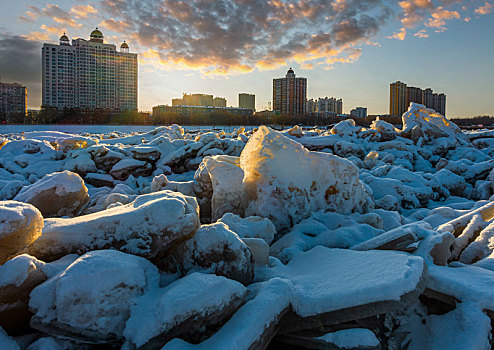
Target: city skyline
{"x":343,"y":55}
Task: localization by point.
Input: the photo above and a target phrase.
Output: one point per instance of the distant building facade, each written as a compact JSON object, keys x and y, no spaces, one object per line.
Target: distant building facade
{"x":401,"y":96}
{"x":290,"y":95}
{"x":89,"y":75}
{"x":329,"y":105}
{"x":311,"y":106}
{"x":13,"y":99}
{"x":247,"y":101}
{"x":397,"y":98}
{"x":219,"y":102}
{"x":359,"y":112}
{"x":199,"y":100}
{"x":188,"y":111}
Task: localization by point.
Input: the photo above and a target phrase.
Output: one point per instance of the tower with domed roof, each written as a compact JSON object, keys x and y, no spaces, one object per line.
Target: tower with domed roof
{"x":124,"y":47}
{"x":89,"y":75}
{"x":290,"y":95}
{"x":64,"y":40}
{"x":96,"y":36}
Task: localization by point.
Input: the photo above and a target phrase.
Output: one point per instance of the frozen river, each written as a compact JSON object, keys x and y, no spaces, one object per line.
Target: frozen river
{"x":97,"y":129}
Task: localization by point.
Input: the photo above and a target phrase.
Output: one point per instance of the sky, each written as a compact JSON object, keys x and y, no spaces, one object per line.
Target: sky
{"x":349,"y":49}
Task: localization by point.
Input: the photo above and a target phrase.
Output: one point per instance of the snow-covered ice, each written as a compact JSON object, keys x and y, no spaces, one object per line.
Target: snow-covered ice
{"x":188,"y":238}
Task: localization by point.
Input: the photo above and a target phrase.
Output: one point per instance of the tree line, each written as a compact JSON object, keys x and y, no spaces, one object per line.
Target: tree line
{"x":104,"y":117}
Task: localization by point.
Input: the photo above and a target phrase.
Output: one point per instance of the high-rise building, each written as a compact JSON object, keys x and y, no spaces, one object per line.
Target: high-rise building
{"x":414,"y":94}
{"x":359,"y":112}
{"x":290,"y":95}
{"x":439,"y":103}
{"x":189,"y":111}
{"x":311,"y":106}
{"x":219,"y":102}
{"x":330,"y":105}
{"x":247,"y":101}
{"x":428,"y":97}
{"x":196,"y":100}
{"x":13,"y":99}
{"x":89,"y":75}
{"x":199,"y":100}
{"x":177,"y":102}
{"x":402,"y":95}
{"x":398,"y":98}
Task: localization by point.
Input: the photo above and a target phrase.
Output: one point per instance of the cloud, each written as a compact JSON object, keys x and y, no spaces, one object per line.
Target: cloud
{"x":433,"y":14}
{"x":114,"y":26}
{"x":29,"y":17}
{"x":439,"y":17}
{"x":400,"y":35}
{"x":82,"y":11}
{"x":57,"y":14}
{"x":21,"y":63}
{"x":484,"y":10}
{"x":236,"y":36}
{"x":36,"y":36}
{"x":422,"y":34}
{"x":414,"y":11}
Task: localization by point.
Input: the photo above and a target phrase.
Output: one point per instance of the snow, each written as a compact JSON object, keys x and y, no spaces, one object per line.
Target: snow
{"x":466,"y":327}
{"x":127,"y":163}
{"x":93,"y":294}
{"x":7,"y":342}
{"x":432,"y":124}
{"x":57,"y":194}
{"x":46,"y":343}
{"x":249,"y":323}
{"x":16,"y":271}
{"x":216,"y":249}
{"x":226,"y":180}
{"x":482,"y":246}
{"x":328,"y":229}
{"x":194,"y":296}
{"x":250,"y":227}
{"x":20,"y":225}
{"x":465,"y":283}
{"x":149,"y":223}
{"x":13,"y":214}
{"x":351,"y":338}
{"x":284,"y":181}
{"x":333,"y":279}
{"x":295,"y":203}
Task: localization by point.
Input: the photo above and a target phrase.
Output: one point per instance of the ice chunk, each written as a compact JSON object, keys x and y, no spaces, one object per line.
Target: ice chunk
{"x":285,"y":182}
{"x":466,"y":327}
{"x":351,"y":338}
{"x":148,"y":226}
{"x":57,"y":194}
{"x":7,"y":342}
{"x":326,"y":280}
{"x":20,"y":225}
{"x":188,"y":308}
{"x":226,"y":179}
{"x":213,"y":249}
{"x":386,"y":130}
{"x":270,"y":302}
{"x":90,"y":300}
{"x":432,"y":124}
{"x":250,"y":227}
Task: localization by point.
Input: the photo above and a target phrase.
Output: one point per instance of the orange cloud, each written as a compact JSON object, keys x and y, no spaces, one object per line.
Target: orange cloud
{"x":484,"y":10}
{"x":82,"y":11}
{"x":400,"y":35}
{"x":36,"y":36}
{"x":115,"y":26}
{"x":440,"y":16}
{"x":422,"y":34}
{"x":53,"y":30}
